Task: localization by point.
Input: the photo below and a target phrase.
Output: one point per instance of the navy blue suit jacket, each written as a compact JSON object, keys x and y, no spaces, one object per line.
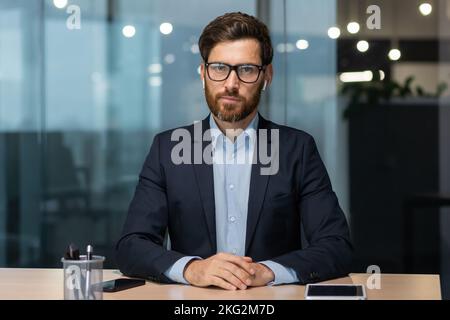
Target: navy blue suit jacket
{"x":181,"y":198}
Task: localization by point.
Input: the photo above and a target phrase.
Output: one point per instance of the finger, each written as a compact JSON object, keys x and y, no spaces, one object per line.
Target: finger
{"x":231,"y":278}
{"x":219,"y":282}
{"x":241,"y":262}
{"x":240,"y":273}
{"x":226,"y":256}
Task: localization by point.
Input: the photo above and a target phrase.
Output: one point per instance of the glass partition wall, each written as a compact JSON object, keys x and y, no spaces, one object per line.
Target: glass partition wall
{"x":84,"y":87}
{"x":86,"y":84}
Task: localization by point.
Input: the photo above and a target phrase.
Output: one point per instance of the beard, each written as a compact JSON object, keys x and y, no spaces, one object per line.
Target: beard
{"x":229,"y":112}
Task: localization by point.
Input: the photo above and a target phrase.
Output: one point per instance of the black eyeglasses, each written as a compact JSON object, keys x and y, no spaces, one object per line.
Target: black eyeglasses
{"x":219,"y":71}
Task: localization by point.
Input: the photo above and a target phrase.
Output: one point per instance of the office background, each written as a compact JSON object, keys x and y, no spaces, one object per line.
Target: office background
{"x":79,"y":109}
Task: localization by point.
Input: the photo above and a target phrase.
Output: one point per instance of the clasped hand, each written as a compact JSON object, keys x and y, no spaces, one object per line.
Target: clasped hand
{"x":227,"y":271}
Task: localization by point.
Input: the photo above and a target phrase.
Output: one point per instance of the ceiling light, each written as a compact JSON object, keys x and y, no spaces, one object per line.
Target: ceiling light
{"x":360,"y":76}
{"x":394,"y":54}
{"x":129,"y":31}
{"x":425,"y":9}
{"x":334,"y":32}
{"x":166,"y":28}
{"x":302,"y":44}
{"x":362,"y":46}
{"x":353,"y":27}
{"x":60,"y":4}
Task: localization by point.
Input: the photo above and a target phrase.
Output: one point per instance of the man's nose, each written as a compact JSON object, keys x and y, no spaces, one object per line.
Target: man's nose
{"x":232,"y":82}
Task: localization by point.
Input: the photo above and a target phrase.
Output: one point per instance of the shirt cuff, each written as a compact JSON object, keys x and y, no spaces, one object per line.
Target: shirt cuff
{"x":282,"y":274}
{"x":175,"y":272}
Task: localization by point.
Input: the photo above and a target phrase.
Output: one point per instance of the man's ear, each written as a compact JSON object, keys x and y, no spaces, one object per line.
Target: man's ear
{"x":268,"y":75}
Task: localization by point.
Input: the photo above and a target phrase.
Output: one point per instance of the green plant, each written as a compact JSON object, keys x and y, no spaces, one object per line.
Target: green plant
{"x":364,"y":95}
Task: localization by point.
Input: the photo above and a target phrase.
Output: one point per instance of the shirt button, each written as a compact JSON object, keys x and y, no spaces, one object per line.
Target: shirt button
{"x":231,"y":186}
{"x":232,"y":219}
{"x":234,"y":251}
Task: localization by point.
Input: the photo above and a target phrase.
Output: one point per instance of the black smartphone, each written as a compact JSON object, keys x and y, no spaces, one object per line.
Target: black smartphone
{"x":121,"y":284}
{"x":335,"y":292}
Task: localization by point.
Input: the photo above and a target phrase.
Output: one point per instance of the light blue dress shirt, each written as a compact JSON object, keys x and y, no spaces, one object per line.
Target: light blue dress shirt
{"x":232,"y":163}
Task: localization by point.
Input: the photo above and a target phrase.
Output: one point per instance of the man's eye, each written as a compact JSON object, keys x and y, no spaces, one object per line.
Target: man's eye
{"x":247,"y":69}
{"x":219,"y":68}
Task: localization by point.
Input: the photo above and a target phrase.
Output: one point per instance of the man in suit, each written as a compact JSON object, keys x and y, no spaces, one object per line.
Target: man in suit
{"x":231,"y":223}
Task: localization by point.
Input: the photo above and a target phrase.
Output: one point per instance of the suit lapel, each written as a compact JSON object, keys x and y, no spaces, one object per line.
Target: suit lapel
{"x":258,"y":187}
{"x":205,"y":182}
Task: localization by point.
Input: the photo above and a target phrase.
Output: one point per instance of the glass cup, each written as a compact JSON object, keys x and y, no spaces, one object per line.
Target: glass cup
{"x":83,"y":278}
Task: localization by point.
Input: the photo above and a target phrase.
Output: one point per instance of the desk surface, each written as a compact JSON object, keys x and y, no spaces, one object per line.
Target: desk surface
{"x":46,"y":284}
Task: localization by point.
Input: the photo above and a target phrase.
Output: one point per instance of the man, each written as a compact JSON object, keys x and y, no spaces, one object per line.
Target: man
{"x":232,"y":224}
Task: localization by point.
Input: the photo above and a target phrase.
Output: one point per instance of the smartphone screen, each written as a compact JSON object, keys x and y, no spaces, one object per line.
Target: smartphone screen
{"x":335,"y":291}
{"x":121,"y":284}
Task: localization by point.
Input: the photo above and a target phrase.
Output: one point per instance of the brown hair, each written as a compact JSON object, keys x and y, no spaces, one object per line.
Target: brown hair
{"x":235,"y":26}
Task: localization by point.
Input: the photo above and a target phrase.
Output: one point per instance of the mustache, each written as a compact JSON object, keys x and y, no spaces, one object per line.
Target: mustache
{"x":229,"y":94}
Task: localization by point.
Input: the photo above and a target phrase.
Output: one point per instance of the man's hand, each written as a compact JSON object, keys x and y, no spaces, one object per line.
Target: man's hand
{"x":263,"y":275}
{"x":222,"y":270}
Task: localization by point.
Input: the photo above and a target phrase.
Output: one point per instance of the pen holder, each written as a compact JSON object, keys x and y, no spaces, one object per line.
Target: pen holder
{"x":83,"y":278}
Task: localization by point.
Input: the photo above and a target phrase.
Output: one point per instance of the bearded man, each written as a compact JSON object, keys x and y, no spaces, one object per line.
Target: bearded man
{"x":231,"y":224}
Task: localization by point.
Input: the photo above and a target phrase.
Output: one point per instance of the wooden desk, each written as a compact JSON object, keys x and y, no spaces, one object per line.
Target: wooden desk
{"x":46,"y":284}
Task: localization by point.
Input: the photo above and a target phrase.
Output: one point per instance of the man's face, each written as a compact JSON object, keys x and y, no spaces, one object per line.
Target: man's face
{"x":232,"y":100}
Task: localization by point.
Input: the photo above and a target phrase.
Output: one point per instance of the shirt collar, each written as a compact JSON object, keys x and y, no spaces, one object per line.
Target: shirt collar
{"x":250,"y":131}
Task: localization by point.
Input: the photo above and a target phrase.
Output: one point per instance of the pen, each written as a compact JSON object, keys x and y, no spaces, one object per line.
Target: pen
{"x":88,"y":269}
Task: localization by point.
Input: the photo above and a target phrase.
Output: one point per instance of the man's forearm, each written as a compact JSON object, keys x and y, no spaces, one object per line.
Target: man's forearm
{"x":176,"y":271}
{"x":282,"y":274}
